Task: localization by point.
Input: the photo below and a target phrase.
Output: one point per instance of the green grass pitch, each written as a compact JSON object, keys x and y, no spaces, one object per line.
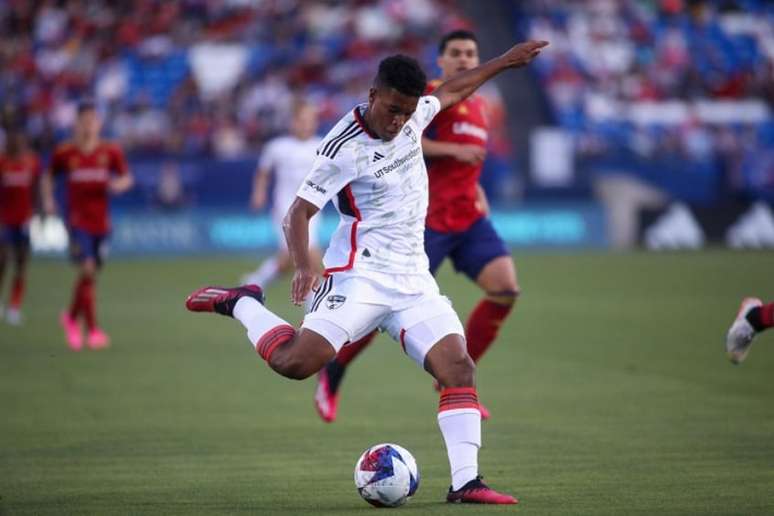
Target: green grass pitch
{"x":609,"y":390}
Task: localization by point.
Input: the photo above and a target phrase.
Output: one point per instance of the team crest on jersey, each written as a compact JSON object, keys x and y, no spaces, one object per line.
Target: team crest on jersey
{"x":334,"y":301}
{"x":74,"y":162}
{"x":410,"y":133}
{"x":102,"y":159}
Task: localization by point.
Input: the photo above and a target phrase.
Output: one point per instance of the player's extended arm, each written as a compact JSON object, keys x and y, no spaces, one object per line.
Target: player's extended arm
{"x":121,"y":184}
{"x":464,"y":152}
{"x":463,"y":84}
{"x":260,"y":187}
{"x":295,"y":225}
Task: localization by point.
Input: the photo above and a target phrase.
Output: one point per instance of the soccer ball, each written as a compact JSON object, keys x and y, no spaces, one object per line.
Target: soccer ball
{"x":386,"y":475}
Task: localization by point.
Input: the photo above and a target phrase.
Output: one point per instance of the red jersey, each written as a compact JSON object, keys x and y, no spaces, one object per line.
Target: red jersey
{"x":18,"y":176}
{"x":453,"y":185}
{"x":88,"y":175}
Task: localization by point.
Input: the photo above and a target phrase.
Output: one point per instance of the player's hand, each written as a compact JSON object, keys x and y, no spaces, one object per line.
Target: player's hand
{"x":304,"y":280}
{"x":121,"y":184}
{"x":469,"y":154}
{"x":523,"y":53}
{"x":114,"y":188}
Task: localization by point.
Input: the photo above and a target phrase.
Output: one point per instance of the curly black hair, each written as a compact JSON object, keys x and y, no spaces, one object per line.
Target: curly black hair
{"x":403,"y":74}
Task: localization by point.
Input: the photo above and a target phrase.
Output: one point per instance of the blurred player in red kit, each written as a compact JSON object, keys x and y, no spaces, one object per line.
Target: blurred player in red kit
{"x":457,"y":224}
{"x":19,"y":173}
{"x":94,"y":170}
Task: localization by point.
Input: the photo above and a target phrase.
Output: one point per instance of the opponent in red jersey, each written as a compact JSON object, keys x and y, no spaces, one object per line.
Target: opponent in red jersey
{"x":94,"y":170}
{"x":19,"y":172}
{"x":457,"y":224}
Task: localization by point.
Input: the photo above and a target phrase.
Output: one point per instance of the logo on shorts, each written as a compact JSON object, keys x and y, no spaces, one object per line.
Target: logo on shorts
{"x":334,"y":301}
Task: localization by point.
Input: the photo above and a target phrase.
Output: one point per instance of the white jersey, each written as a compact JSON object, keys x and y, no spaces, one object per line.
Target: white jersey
{"x":380,"y":190}
{"x":291,"y":160}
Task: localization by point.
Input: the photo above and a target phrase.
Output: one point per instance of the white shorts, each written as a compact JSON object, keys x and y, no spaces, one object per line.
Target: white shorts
{"x":314,"y":229}
{"x":349,"y":305}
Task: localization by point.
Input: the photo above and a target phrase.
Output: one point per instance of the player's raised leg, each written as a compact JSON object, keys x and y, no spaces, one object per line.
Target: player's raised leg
{"x":295,"y":354}
{"x":752,"y":318}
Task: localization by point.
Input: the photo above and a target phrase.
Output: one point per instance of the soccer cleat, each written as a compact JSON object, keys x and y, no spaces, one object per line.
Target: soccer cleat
{"x":221,"y":300}
{"x":741,"y":333}
{"x":13,"y":316}
{"x":72,"y":331}
{"x":97,"y":339}
{"x":476,"y":491}
{"x":325,"y":401}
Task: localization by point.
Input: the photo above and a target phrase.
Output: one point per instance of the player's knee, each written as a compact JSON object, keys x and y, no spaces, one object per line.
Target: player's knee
{"x":506,"y":296}
{"x":89,"y":268}
{"x":460,"y":371}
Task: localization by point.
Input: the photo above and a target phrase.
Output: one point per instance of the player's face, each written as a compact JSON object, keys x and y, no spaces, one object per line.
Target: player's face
{"x":458,"y":56}
{"x":304,"y":123}
{"x":389,"y":110}
{"x":88,"y":125}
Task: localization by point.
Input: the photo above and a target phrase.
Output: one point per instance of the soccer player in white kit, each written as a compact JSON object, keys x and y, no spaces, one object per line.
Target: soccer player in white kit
{"x":289,"y":158}
{"x":370,"y":165}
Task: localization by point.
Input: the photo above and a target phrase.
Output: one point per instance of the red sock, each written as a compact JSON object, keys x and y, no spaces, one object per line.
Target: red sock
{"x":17,"y":292}
{"x":348,"y":353}
{"x":767,"y":315}
{"x":76,"y":305}
{"x":273,"y":339}
{"x":483,"y":325}
{"x":453,"y":398}
{"x":89,"y":308}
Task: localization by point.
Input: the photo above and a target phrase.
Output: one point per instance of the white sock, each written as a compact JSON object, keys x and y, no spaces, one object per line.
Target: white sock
{"x":266,"y":273}
{"x":256,"y":318}
{"x":461,"y":429}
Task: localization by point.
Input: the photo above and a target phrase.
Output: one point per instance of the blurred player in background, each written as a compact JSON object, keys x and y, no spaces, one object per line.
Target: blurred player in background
{"x":95,"y":169}
{"x":457,"y":226}
{"x":19,"y":173}
{"x":753,"y":317}
{"x":289,"y":158}
{"x":377,"y":275}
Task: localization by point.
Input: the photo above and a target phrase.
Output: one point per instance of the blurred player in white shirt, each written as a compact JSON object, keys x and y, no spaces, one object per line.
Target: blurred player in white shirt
{"x":289,"y":158}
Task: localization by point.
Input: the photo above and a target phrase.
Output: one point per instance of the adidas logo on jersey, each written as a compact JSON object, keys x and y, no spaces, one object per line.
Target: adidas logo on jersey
{"x":377,"y":157}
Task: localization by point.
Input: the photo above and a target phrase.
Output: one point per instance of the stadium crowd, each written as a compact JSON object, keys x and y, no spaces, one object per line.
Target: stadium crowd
{"x":198,"y":77}
{"x":640,"y":84}
{"x":690,"y":80}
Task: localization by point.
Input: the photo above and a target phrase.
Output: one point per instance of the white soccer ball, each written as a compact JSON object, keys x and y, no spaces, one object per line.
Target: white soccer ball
{"x":386,"y":475}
